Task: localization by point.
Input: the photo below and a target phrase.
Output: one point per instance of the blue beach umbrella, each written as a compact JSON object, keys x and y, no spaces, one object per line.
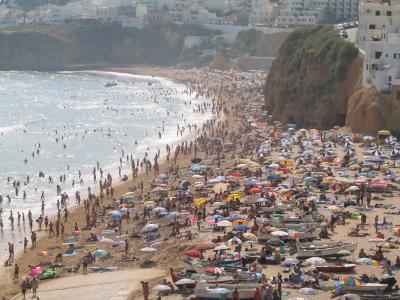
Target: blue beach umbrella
{"x":116,"y":216}
{"x":241,"y":228}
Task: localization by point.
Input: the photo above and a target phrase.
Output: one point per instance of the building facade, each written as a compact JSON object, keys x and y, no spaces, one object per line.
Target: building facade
{"x":379,"y":36}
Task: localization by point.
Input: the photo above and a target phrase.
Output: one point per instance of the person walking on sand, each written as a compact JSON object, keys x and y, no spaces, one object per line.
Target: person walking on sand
{"x":16,"y":273}
{"x":24,"y":287}
{"x":126,"y":247}
{"x":35,"y":286}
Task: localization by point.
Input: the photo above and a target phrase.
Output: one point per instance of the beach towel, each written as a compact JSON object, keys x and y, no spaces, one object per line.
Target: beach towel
{"x":76,"y":252}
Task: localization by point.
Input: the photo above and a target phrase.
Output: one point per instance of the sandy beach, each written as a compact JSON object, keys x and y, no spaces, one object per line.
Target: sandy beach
{"x":277,"y":173}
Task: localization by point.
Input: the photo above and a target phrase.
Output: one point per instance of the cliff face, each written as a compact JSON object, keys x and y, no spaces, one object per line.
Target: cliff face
{"x":316,"y":82}
{"x":47,"y":48}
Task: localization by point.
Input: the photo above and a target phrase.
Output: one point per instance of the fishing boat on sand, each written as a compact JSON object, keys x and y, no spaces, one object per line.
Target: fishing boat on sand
{"x":204,"y":291}
{"x":318,"y":250}
{"x":367,"y":288}
{"x":342,"y":268}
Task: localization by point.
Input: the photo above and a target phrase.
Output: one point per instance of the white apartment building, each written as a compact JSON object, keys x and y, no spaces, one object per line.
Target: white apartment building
{"x":344,"y":9}
{"x":292,"y":20}
{"x":379,"y":36}
{"x":261,"y":12}
{"x":301,"y":13}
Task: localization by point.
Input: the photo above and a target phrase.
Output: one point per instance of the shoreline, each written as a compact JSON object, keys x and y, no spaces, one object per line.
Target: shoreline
{"x":77,"y":212}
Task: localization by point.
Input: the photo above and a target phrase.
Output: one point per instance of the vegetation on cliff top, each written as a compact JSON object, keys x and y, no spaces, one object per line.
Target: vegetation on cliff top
{"x":303,"y":79}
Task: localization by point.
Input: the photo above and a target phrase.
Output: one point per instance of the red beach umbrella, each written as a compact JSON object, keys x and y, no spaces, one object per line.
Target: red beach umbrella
{"x":255,"y":190}
{"x":205,"y":246}
{"x":194,"y":253}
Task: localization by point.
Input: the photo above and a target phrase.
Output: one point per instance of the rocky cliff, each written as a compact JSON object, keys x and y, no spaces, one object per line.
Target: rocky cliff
{"x":46,"y":48}
{"x":316,"y":82}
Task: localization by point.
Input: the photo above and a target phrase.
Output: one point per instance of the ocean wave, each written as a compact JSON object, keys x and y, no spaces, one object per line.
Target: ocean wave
{"x":12,"y":128}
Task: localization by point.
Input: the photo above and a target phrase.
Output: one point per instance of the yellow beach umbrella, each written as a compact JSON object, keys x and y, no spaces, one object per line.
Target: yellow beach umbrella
{"x":232,"y":197}
{"x":128,"y":194}
{"x":240,"y":222}
{"x":200,"y":201}
{"x":149,"y":203}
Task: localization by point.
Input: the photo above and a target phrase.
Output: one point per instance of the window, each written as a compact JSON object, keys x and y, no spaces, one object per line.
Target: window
{"x":398,"y":95}
{"x":378,"y":54}
{"x":366,"y":66}
{"x":377,"y":13}
{"x":389,"y":13}
{"x":389,"y":78}
{"x":371,"y":26}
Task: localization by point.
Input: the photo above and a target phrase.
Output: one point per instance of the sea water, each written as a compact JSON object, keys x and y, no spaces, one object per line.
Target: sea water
{"x":75,"y":121}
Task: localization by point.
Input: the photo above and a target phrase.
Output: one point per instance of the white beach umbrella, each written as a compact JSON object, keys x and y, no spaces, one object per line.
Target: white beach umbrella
{"x":148,"y":249}
{"x":185,"y":281}
{"x":279,"y":233}
{"x":224,"y":223}
{"x":308,"y":291}
{"x":221,"y":248}
{"x":161,"y":288}
{"x":316,"y":261}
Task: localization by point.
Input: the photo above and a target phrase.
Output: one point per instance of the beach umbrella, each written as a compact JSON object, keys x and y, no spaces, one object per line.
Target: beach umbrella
{"x":261,"y":200}
{"x":297,"y":298}
{"x":43,"y":253}
{"x":235,"y":240}
{"x":217,"y":217}
{"x":163,"y":176}
{"x":290,"y":261}
{"x":234,"y":218}
{"x":197,"y":176}
{"x":200,"y":201}
{"x":250,"y":236}
{"x":185,"y":281}
{"x":149,"y":203}
{"x":275,"y":242}
{"x":116,"y":216}
{"x":221,"y":248}
{"x":173,"y":214}
{"x":224,"y":223}
{"x":158,"y":209}
{"x":364,"y":261}
{"x":205,"y":246}
{"x":129,"y":197}
{"x":220,"y":187}
{"x":241,"y":228}
{"x":255,"y":190}
{"x":128,"y":194}
{"x":161,"y":288}
{"x":376,"y":152}
{"x":36,"y":271}
{"x":279,"y":233}
{"x":274,"y":166}
{"x":217,"y":204}
{"x":107,"y":241}
{"x":150,"y":228}
{"x":100,"y":253}
{"x":157,"y":189}
{"x":196,"y":160}
{"x":198,"y":184}
{"x":316,"y":261}
{"x":148,"y":249}
{"x":194,"y":253}
{"x":353,"y":188}
{"x":368,"y":138}
{"x":376,"y":240}
{"x":235,"y":174}
{"x":113,"y":212}
{"x":308,"y":291}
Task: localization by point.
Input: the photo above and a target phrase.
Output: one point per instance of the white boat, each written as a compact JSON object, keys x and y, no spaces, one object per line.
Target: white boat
{"x":203,"y":291}
{"x":367,"y":287}
{"x":329,"y":250}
